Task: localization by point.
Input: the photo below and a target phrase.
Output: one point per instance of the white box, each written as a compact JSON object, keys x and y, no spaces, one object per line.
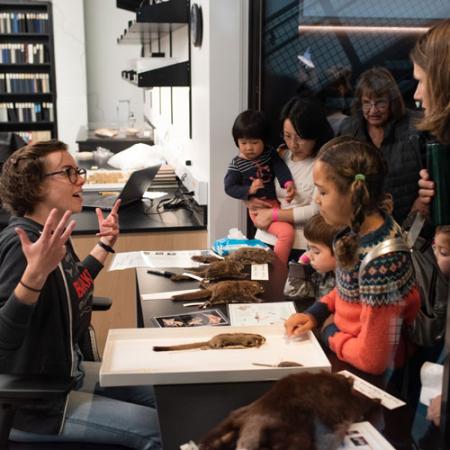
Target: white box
{"x":129,"y":358}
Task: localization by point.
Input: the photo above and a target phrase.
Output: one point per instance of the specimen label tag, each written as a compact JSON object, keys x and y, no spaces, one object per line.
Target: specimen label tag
{"x":260,"y":271}
{"x":371,"y":391}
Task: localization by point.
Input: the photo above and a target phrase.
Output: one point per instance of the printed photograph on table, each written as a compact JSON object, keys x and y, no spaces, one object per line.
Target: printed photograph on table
{"x":209,"y":317}
{"x":271,"y":313}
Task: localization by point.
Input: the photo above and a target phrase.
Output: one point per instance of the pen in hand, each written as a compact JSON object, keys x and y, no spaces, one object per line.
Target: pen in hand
{"x":162,"y":273}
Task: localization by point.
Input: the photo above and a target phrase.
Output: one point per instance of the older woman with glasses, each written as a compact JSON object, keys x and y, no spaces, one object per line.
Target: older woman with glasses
{"x":46,"y":302}
{"x":379,"y":117}
{"x":304,"y":130}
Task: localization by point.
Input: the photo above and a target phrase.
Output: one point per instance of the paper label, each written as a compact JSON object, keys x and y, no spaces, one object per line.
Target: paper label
{"x":260,"y":271}
{"x":371,"y":391}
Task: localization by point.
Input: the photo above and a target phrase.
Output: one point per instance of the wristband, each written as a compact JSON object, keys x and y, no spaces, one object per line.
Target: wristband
{"x":29,"y":287}
{"x":275,"y":217}
{"x":288,"y":183}
{"x":106,"y":247}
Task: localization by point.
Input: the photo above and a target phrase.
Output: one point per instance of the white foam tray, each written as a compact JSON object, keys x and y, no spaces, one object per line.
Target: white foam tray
{"x":129,"y":358}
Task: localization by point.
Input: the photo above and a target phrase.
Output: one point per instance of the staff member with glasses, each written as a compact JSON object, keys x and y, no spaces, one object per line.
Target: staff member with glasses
{"x":46,"y":303}
{"x":379,"y":117}
{"x":305,"y":129}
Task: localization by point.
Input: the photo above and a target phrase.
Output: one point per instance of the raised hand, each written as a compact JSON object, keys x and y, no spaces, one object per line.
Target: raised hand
{"x":299,"y":323}
{"x":44,"y":255}
{"x":109,"y":225}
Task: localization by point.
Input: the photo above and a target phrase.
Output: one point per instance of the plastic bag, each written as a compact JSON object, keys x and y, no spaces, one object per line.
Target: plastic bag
{"x":298,"y":285}
{"x":225,"y":246}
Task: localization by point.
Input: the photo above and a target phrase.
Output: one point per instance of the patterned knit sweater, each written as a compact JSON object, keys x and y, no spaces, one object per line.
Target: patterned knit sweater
{"x":369,"y":312}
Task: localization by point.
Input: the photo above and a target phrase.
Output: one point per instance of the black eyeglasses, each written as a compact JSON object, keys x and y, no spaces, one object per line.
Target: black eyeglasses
{"x":72,"y":173}
{"x":380,"y":105}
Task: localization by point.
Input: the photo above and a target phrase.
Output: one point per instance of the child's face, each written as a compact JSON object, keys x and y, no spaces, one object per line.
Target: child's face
{"x":250,"y":148}
{"x":441,"y":250}
{"x":335,"y":207}
{"x":322,"y":259}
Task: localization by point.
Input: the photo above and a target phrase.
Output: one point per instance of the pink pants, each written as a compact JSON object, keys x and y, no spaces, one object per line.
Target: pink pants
{"x":283,"y":231}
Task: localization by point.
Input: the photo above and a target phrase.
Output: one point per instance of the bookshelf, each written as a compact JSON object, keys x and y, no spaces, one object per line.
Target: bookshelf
{"x":27,"y":69}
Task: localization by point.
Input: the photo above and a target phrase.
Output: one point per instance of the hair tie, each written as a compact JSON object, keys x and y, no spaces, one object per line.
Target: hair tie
{"x":360,"y":177}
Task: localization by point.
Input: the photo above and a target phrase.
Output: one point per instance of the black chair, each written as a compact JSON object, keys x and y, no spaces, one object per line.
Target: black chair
{"x":88,"y":343}
{"x":18,"y":390}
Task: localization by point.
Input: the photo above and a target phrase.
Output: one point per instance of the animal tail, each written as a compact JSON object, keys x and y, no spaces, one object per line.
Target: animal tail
{"x":167,"y":348}
{"x":196,"y":295}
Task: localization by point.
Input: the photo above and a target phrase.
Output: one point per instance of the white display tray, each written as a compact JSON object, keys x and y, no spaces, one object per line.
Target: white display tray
{"x":129,"y":358}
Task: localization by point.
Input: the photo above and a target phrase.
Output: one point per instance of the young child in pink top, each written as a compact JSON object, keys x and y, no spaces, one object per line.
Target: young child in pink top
{"x":252,"y":174}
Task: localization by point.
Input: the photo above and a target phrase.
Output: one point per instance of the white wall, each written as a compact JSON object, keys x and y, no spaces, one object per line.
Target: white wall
{"x":219,"y":93}
{"x":104,"y":23}
{"x":68,"y":24}
{"x":228,"y":86}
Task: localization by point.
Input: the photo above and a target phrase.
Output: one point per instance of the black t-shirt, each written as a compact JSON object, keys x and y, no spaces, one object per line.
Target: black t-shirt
{"x":81,"y":287}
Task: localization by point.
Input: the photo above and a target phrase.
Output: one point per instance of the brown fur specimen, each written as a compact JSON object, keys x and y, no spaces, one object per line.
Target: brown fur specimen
{"x":244,"y":255}
{"x":230,"y":267}
{"x":230,"y":291}
{"x":307,"y":411}
{"x":251,"y":255}
{"x":205,"y":259}
{"x":224,"y":340}
{"x":221,"y":270}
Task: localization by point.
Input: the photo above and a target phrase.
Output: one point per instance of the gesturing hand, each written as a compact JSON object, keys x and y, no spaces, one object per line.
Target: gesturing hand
{"x":45,"y":254}
{"x":109,"y":226}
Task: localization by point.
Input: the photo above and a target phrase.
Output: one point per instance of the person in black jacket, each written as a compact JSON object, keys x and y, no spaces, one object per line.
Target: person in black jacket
{"x":379,"y":117}
{"x":45,"y":304}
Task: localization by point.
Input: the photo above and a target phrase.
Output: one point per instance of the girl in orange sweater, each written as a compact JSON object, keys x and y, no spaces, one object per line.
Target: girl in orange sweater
{"x":369,"y":308}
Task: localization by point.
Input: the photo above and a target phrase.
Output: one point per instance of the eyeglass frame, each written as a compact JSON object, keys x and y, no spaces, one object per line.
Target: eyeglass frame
{"x":376,"y":104}
{"x":75,"y":171}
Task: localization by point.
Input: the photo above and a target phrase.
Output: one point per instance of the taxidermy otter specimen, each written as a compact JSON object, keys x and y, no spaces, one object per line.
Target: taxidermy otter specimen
{"x":225,"y":340}
{"x":230,"y":267}
{"x":219,"y":270}
{"x":230,"y":291}
{"x":244,"y":255}
{"x":307,"y":411}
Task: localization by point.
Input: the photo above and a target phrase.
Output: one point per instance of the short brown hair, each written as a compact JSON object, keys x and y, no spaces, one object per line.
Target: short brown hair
{"x":379,"y":82}
{"x":432,"y":54}
{"x":318,"y":231}
{"x":22,"y":176}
